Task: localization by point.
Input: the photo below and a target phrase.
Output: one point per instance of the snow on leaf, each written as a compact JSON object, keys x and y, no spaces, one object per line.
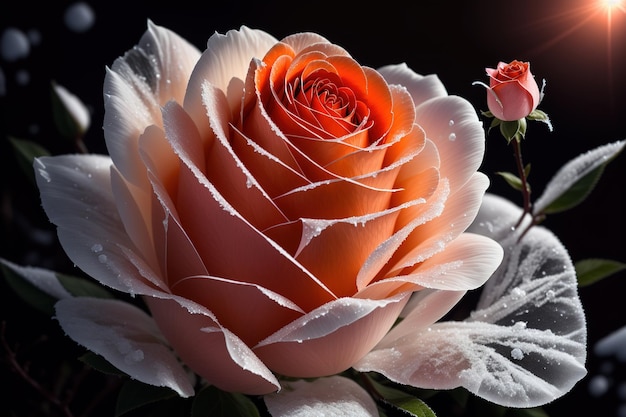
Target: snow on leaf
{"x":576,"y":179}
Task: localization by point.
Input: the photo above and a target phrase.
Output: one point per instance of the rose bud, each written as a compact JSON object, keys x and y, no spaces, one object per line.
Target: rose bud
{"x":513,"y":92}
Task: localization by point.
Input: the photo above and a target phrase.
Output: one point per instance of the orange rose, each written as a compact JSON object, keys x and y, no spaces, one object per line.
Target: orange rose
{"x":274,"y":202}
{"x":514,"y":93}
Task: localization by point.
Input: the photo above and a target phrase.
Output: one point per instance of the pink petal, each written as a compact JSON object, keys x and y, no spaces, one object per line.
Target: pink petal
{"x":210,"y":350}
{"x":307,"y":347}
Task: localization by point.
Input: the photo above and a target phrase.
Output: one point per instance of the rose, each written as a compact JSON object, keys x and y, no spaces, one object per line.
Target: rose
{"x":275,"y":204}
{"x":513,"y":92}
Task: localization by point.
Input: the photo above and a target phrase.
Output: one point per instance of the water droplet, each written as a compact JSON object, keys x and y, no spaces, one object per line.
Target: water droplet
{"x":517,"y":354}
{"x":452,"y":137}
{"x":517,"y":293}
{"x":550,"y":294}
{"x":134,"y":356}
{"x":451,"y":123}
{"x":102,"y":258}
{"x":96,"y":248}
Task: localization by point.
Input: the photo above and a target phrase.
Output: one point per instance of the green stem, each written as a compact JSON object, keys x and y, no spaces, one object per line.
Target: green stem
{"x":522,"y":174}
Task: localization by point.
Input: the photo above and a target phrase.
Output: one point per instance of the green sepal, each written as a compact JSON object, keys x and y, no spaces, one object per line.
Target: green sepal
{"x":212,"y":401}
{"x":540,"y":116}
{"x":589,"y":271}
{"x":401,"y":400}
{"x":26,"y":151}
{"x":514,"y":129}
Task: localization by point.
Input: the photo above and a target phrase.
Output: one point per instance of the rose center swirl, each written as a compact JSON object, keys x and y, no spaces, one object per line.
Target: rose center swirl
{"x":322,"y":105}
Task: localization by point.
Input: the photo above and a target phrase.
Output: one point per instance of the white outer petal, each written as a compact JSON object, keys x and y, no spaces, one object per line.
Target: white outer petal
{"x":421,"y":87}
{"x":125,"y":336}
{"x":334,"y":396}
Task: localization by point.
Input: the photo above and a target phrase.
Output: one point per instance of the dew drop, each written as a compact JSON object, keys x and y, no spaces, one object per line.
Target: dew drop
{"x":134,"y":356}
{"x":452,"y":137}
{"x":517,"y":354}
{"x":96,"y":248}
{"x":451,"y":123}
{"x":517,"y":293}
{"x":102,"y":258}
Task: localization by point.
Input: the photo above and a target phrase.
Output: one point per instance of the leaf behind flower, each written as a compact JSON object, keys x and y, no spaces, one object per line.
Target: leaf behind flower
{"x":212,"y":401}
{"x":593,"y":270}
{"x":576,"y":179}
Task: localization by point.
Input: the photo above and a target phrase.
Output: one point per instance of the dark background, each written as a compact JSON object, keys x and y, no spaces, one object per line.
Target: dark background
{"x":570,"y":43}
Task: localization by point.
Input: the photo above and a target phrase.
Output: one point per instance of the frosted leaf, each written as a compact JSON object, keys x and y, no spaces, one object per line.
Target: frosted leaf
{"x":44,"y":279}
{"x":329,"y":397}
{"x":535,"y":285}
{"x":574,"y":171}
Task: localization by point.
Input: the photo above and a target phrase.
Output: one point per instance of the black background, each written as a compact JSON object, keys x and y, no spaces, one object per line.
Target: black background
{"x":568,"y":42}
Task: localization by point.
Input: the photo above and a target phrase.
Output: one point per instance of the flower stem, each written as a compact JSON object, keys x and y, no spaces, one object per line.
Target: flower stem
{"x":522,"y":174}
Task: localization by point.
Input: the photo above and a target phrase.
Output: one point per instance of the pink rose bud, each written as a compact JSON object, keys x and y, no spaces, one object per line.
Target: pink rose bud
{"x":514,"y":93}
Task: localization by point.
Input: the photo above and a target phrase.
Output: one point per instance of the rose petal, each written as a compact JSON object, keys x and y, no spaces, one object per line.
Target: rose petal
{"x":511,"y":366}
{"x":220,"y":241}
{"x":76,"y":195}
{"x":230,"y":366}
{"x":224,"y":65}
{"x":135,"y":87}
{"x":256,"y":314}
{"x":421,"y":88}
{"x":452,"y":123}
{"x":433,"y":236}
{"x":125,"y":336}
{"x":324,"y":397}
{"x":307,"y":347}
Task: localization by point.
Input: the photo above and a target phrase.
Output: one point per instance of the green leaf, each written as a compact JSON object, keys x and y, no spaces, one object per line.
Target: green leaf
{"x":593,"y":270}
{"x":100,"y":364}
{"x":212,"y":401}
{"x":577,"y":193}
{"x":576,"y":179}
{"x":29,"y":293}
{"x":26,"y":151}
{"x":513,"y":180}
{"x":81,"y":287}
{"x":135,"y":394}
{"x":401,"y":400}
